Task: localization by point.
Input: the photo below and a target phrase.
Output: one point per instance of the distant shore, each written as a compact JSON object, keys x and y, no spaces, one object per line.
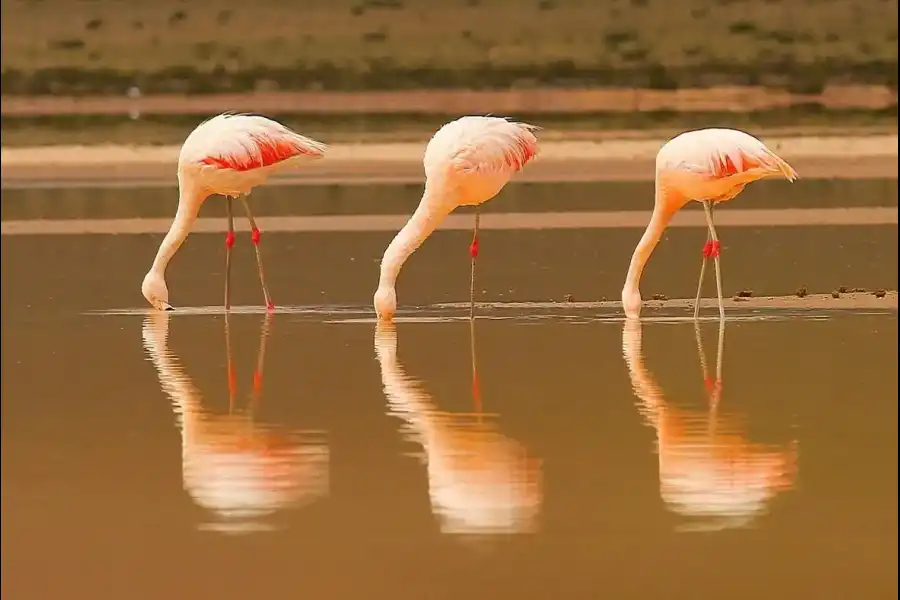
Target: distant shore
{"x":846,"y":157}
{"x":540,"y":100}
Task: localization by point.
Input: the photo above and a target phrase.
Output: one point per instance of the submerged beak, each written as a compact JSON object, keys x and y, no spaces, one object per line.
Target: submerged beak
{"x":165,"y":306}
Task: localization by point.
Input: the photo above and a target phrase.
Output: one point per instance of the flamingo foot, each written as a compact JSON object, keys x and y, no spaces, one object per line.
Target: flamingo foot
{"x":270,"y":306}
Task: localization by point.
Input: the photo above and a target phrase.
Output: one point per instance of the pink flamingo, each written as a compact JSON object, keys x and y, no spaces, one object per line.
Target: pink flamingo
{"x":467,"y":162}
{"x":708,"y":165}
{"x":229,"y":154}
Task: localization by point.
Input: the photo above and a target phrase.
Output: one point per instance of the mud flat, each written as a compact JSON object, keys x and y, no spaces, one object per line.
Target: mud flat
{"x":848,"y":301}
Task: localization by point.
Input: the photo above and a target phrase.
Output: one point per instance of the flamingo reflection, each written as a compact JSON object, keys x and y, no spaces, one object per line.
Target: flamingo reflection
{"x":233,"y":466}
{"x":480,"y":482}
{"x":709,"y":471}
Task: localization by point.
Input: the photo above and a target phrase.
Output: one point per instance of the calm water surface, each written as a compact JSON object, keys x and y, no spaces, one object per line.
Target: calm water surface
{"x":318,"y":455}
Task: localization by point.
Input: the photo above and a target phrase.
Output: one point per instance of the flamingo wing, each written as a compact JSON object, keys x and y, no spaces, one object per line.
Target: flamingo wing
{"x":483,"y":145}
{"x":243,"y":142}
{"x":722,"y":153}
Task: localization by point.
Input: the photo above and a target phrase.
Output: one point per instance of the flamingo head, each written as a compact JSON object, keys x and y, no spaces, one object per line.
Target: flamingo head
{"x":155,"y":291}
{"x":385,"y":303}
{"x":631,"y":302}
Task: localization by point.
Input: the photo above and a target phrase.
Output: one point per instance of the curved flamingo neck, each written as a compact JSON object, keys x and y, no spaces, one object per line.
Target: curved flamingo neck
{"x":190,"y":197}
{"x":434,"y":208}
{"x":665,"y":205}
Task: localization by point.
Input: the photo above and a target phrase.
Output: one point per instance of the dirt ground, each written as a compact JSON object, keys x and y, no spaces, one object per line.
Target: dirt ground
{"x":860,"y":300}
{"x":607,"y":160}
{"x":516,"y":101}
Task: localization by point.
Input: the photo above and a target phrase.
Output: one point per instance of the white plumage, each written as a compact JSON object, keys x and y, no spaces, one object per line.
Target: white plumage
{"x":229,"y":155}
{"x":467,"y":162}
{"x":709,"y":166}
{"x":723,"y":157}
{"x":481,"y":146}
{"x":233,"y":153}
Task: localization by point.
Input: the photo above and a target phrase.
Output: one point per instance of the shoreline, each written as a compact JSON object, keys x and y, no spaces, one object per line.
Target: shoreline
{"x":814,"y":157}
{"x":849,"y":301}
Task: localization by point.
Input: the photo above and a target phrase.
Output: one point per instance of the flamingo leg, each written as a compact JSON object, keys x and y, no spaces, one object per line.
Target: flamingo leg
{"x":473,"y":252}
{"x":707,"y":252}
{"x":714,"y":252}
{"x":702,"y":275}
{"x":229,"y":243}
{"x":255,"y":236}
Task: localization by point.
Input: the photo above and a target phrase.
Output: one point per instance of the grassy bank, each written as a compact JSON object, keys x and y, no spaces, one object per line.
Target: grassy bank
{"x":65,"y":129}
{"x":106,"y":46}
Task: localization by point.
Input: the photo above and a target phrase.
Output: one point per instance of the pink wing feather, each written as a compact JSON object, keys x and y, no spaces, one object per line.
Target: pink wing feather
{"x":242,"y":142}
{"x":483,"y":145}
{"x":721,"y":153}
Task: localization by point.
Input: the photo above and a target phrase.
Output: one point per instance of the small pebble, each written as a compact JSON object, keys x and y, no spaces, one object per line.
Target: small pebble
{"x":859,"y":290}
{"x":660,"y":297}
{"x":745,"y":294}
{"x":880,"y":293}
{"x":843,"y":289}
{"x":569,"y":298}
{"x":802,"y":292}
{"x":739,"y":298}
{"x":836,"y":294}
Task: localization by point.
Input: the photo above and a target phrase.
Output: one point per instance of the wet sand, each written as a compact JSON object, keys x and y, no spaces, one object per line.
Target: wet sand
{"x":849,"y":301}
{"x":608,"y":160}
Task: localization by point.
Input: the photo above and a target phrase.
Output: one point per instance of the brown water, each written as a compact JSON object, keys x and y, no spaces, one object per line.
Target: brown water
{"x":564,"y":454}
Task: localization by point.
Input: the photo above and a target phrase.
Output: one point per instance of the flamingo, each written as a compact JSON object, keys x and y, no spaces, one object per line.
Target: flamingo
{"x":237,"y":468}
{"x":710,"y":166}
{"x":480,"y":482}
{"x":467,"y":162}
{"x":229,"y":154}
{"x":709,"y":470}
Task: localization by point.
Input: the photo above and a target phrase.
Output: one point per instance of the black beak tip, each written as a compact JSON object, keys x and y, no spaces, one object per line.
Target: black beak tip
{"x":169,"y":308}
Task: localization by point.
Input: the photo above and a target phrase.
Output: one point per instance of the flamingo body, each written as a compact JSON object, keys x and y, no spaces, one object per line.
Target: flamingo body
{"x":714,"y":164}
{"x":233,"y":153}
{"x":229,"y":154}
{"x":709,"y":166}
{"x":477,"y":156}
{"x":467,"y":162}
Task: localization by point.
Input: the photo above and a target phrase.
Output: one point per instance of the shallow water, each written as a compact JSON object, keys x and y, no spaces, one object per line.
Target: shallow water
{"x":534,"y":455}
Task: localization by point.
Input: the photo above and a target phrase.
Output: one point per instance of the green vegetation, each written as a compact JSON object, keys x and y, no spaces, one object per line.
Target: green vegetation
{"x":106,"y":46}
{"x":809,"y":119}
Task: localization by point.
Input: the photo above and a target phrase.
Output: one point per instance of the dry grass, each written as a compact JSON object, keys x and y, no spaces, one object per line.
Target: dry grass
{"x":358,"y":44}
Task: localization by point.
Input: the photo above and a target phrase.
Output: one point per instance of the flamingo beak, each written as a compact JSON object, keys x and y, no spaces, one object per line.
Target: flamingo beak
{"x":166,"y":306}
